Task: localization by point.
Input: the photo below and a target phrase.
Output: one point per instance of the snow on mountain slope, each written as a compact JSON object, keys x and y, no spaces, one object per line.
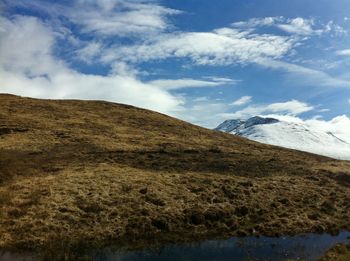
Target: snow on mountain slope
{"x":294,"y":135}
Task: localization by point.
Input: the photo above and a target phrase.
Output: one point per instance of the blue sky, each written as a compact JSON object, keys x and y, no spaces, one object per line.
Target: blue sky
{"x":202,"y":61}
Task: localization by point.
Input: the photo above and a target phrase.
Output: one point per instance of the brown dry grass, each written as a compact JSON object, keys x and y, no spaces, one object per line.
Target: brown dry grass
{"x":95,"y":173}
{"x":340,"y":252}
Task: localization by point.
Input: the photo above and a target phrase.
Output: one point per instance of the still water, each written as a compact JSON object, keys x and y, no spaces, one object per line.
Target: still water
{"x":301,"y":247}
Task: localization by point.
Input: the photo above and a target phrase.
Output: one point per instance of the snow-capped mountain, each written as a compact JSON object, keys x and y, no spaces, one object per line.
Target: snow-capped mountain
{"x":294,"y":135}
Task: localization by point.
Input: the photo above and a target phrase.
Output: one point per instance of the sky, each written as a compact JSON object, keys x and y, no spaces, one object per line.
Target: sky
{"x":202,"y":61}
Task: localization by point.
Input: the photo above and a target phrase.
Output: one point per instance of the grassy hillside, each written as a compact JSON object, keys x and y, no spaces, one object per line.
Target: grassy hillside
{"x":97,"y":173}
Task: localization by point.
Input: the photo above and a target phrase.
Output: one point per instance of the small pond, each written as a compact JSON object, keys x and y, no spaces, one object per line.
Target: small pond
{"x":301,"y":247}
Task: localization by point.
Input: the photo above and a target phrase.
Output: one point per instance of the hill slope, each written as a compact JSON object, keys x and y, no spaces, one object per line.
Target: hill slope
{"x":97,"y":173}
{"x":290,"y":135}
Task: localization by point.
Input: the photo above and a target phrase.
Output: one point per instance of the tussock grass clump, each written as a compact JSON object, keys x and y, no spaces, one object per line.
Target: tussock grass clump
{"x":340,"y":252}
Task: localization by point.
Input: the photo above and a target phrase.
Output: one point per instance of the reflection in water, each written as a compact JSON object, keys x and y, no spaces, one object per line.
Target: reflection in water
{"x":305,"y":247}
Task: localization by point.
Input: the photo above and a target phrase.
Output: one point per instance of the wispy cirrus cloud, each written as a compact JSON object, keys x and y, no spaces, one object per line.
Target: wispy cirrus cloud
{"x":258,"y":22}
{"x":299,"y":26}
{"x":296,"y":26}
{"x":292,"y":108}
{"x":239,"y":45}
{"x":223,"y":46}
{"x":242,"y":101}
{"x":306,"y":75}
{"x":106,"y":18}
{"x":120,"y":17}
{"x":174,"y":84}
{"x":89,"y":52}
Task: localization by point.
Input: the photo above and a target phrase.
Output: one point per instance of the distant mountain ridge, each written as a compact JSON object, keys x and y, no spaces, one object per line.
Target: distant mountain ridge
{"x":292,"y":135}
{"x":231,"y":125}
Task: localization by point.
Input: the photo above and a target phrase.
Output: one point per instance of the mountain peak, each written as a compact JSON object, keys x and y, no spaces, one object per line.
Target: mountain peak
{"x":257,"y":120}
{"x":288,"y":134}
{"x":235,"y":124}
{"x":229,"y":125}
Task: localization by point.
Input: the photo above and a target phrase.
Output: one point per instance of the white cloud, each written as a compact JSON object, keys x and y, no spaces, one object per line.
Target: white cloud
{"x":287,"y":118}
{"x":40,"y":74}
{"x":242,"y":101}
{"x":345,"y":52}
{"x":90,"y":51}
{"x":221,"y":79}
{"x":71,"y":84}
{"x":220,"y":47}
{"x":297,"y":26}
{"x":323,"y":110}
{"x":292,"y":108}
{"x":257,"y":22}
{"x":107,"y":17}
{"x":20,"y":51}
{"x":120,"y":17}
{"x":223,"y":46}
{"x":173,"y":84}
{"x":305,"y":75}
{"x":28,"y":68}
{"x":231,"y":46}
{"x":335,"y":29}
{"x":316,"y":117}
